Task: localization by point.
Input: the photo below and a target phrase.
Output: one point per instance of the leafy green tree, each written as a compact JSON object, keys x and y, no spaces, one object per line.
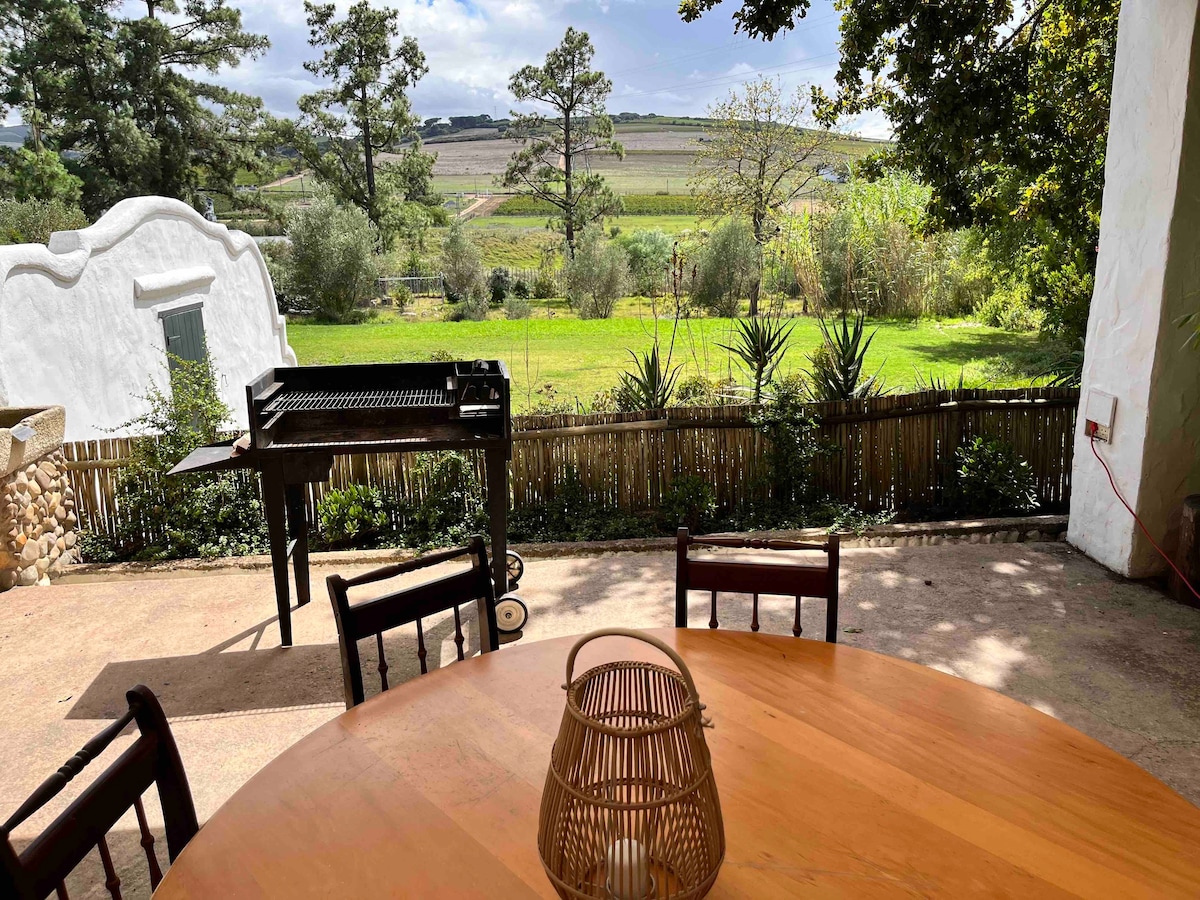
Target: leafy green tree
{"x":548,"y":164}
{"x":649,"y":259}
{"x":761,"y":156}
{"x":596,"y":274}
{"x":343,"y":129}
{"x":462,"y":266}
{"x":1000,"y":107}
{"x":727,"y":269}
{"x":27,"y":173}
{"x":118,"y":94}
{"x":333,"y":267}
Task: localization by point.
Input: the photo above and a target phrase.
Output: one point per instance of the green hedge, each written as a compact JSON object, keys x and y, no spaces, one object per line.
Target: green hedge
{"x":635,"y":205}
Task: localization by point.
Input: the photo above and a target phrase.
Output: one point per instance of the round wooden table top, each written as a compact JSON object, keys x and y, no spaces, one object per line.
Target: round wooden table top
{"x":841,"y":773}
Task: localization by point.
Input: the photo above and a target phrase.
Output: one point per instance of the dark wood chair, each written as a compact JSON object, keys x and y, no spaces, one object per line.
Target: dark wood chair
{"x":755,"y":577}
{"x":404,"y":606}
{"x":42,"y":868}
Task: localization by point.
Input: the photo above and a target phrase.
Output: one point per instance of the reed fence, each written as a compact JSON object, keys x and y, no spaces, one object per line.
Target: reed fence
{"x":891,"y":452}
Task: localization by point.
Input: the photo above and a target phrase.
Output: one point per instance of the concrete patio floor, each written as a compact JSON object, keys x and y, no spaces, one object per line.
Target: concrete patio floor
{"x":1038,"y":622}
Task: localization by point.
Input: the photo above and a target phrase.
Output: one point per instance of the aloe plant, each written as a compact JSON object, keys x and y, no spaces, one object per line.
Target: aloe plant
{"x":650,"y":384}
{"x":760,"y":344}
{"x":838,"y":365}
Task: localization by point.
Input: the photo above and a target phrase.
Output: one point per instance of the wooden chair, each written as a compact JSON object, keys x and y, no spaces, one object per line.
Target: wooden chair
{"x":42,"y":868}
{"x":406,"y":605}
{"x":789,"y":579}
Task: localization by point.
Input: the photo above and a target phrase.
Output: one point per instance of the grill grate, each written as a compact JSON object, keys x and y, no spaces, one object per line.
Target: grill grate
{"x":404,"y":398}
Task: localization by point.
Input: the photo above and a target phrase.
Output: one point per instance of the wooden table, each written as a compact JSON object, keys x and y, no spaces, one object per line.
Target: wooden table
{"x":841,"y":773}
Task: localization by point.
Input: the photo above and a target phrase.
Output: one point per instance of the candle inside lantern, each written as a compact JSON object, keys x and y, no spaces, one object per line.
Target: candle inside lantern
{"x":628,"y":870}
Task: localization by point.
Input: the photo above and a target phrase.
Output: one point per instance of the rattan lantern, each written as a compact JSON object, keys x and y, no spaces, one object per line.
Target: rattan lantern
{"x":630,"y":809}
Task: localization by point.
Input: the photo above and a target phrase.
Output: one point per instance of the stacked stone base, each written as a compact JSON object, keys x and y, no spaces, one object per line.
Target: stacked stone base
{"x":37,"y":522}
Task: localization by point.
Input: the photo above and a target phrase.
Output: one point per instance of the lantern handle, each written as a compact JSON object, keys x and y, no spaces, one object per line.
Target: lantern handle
{"x":646,"y":638}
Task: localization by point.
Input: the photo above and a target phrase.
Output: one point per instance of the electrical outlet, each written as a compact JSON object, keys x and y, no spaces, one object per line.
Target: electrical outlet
{"x":1099,"y":413}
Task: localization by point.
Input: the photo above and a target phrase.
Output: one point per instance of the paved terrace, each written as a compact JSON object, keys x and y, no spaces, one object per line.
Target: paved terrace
{"x":1039,"y":622}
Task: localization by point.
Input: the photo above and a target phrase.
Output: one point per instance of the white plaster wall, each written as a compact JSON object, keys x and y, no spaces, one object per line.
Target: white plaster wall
{"x":74,"y":332}
{"x":1129,"y":325}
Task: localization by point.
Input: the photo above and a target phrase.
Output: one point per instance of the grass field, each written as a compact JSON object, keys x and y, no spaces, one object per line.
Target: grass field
{"x":580,"y":358}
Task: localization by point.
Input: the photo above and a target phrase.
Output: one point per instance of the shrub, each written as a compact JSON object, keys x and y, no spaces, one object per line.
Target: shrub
{"x":793,"y":445}
{"x":521,"y":290}
{"x":571,"y":515}
{"x":33,"y":221}
{"x":700,"y":391}
{"x":990,"y":479}
{"x":547,"y":402}
{"x":355,"y":515}
{"x":452,"y":508}
{"x":498,"y":285}
{"x":333,"y":267}
{"x":691,"y":502}
{"x":199,"y":514}
{"x":400,"y":297}
{"x":649,"y":259}
{"x":462,"y":270}
{"x":726,"y":270}
{"x":516,"y":307}
{"x":545,"y":285}
{"x":278,"y":257}
{"x":596,"y":274}
{"x":1009,"y":308}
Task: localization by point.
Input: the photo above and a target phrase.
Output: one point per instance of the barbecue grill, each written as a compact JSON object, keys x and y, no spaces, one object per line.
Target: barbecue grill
{"x":300,"y":417}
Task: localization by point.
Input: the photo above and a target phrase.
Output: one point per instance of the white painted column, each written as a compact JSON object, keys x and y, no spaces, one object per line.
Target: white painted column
{"x":1148,"y":276}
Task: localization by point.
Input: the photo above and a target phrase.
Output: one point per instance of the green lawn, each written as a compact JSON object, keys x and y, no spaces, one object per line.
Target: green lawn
{"x":580,"y":358}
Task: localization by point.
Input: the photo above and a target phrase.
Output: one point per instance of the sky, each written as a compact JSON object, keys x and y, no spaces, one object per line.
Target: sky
{"x":657,"y":63}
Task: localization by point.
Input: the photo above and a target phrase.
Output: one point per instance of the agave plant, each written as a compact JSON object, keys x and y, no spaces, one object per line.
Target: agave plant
{"x":649,"y":385}
{"x":1067,"y":369}
{"x":760,"y":344}
{"x":838,"y":365}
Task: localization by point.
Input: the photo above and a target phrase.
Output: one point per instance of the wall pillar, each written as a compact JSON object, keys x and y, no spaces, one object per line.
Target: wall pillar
{"x":1147,"y":277}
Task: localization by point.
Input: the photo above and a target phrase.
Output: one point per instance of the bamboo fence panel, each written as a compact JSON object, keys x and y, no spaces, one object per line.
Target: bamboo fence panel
{"x":895,"y":451}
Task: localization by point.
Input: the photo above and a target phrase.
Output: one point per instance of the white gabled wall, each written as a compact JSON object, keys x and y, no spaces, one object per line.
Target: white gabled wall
{"x":79,"y":319}
{"x":1148,"y":275}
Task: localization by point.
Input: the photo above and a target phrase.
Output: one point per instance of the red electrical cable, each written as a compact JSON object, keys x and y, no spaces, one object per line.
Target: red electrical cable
{"x":1145,"y":531}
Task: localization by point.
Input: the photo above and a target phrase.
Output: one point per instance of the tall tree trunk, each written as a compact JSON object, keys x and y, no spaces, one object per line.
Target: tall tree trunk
{"x":368,"y":157}
{"x":759,"y":220}
{"x":569,"y":189}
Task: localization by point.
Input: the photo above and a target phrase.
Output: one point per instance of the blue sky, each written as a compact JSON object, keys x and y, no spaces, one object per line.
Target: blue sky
{"x":656,"y":62}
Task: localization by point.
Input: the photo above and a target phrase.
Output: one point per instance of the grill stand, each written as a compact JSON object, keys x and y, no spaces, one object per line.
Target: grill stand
{"x":283,"y":503}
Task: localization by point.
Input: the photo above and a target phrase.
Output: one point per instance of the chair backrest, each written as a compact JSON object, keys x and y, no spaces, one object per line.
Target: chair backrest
{"x":404,"y":606}
{"x":43,"y":866}
{"x":755,"y":577}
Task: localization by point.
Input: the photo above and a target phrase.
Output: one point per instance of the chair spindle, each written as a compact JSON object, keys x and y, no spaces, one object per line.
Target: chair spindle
{"x":797,"y":628}
{"x":421,"y":651}
{"x":147,"y":843}
{"x":382,"y":668}
{"x":458,"y":634}
{"x":712,"y":619}
{"x":754,"y":615}
{"x":111,"y":881}
{"x":61,"y":891}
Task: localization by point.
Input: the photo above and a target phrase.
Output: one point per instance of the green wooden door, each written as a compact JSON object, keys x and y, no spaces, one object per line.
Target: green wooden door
{"x":184,"y":331}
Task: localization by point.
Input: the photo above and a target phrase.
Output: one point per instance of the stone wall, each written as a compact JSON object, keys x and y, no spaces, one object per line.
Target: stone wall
{"x":37,"y":521}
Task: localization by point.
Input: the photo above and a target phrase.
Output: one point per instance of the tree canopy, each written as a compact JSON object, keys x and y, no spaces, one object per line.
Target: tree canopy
{"x":555,"y":146}
{"x":364,"y":112}
{"x":1000,"y":107}
{"x":113,"y":90}
{"x":761,"y":156}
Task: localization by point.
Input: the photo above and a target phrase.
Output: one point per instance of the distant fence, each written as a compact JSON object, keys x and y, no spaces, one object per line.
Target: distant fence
{"x":418,"y":285}
{"x":890,"y":452}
